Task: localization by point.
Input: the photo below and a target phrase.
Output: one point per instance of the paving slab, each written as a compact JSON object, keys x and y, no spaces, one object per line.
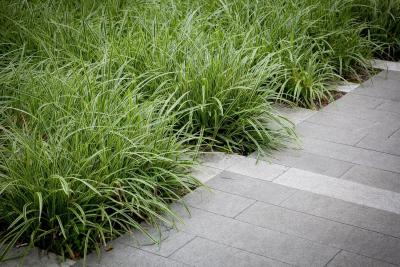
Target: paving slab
{"x":386,"y":65}
{"x":347,"y":259}
{"x":389,"y":74}
{"x":352,"y":154}
{"x":345,"y":212}
{"x":34,"y":258}
{"x":250,"y":187}
{"x":341,"y":189}
{"x":328,"y":133}
{"x":374,"y":177}
{"x":294,"y":114}
{"x":357,"y":101}
{"x":256,"y":168}
{"x":386,"y":145}
{"x":217,"y":201}
{"x":123,"y":255}
{"x":323,"y":231}
{"x":258,"y":240}
{"x":217,"y":160}
{"x":390,"y":106}
{"x":162,"y":241}
{"x":203,"y":252}
{"x":204,"y":173}
{"x":380,"y":88}
{"x":311,"y":162}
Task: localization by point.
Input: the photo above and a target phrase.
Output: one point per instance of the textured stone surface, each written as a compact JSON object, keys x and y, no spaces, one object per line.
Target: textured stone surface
{"x":328,"y":133}
{"x":310,"y":162}
{"x":203,"y":252}
{"x":256,"y":168}
{"x":347,"y":259}
{"x":251,"y":188}
{"x":254,"y":239}
{"x":217,"y":201}
{"x":341,"y":189}
{"x":323,"y":231}
{"x":294,"y":114}
{"x":386,"y":145}
{"x":345,"y":212}
{"x":352,"y":154}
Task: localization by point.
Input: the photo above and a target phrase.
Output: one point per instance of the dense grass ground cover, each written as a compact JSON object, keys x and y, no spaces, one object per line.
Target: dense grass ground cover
{"x":105,"y":104}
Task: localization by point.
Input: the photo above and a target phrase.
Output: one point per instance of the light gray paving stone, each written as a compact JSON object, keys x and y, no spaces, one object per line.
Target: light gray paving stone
{"x":352,"y":154}
{"x":324,"y":231}
{"x":34,"y":258}
{"x":396,"y":134}
{"x":251,"y":188}
{"x":256,"y":168}
{"x":310,"y":162}
{"x":357,"y":101}
{"x":294,"y":114}
{"x":340,"y":120}
{"x":347,"y":259}
{"x":328,"y":133}
{"x":387,"y":66}
{"x":345,"y":86}
{"x":341,"y":189}
{"x":254,"y":239}
{"x":203,"y":252}
{"x":217,"y":201}
{"x":204,"y":173}
{"x":374,"y":177}
{"x":217,"y":160}
{"x":163,"y":241}
{"x":123,"y":255}
{"x":386,"y":145}
{"x":345,"y":212}
{"x":390,"y":106}
{"x":394,"y":75}
{"x":371,"y":117}
{"x":380,"y":88}
{"x":379,"y":83}
{"x":374,"y":122}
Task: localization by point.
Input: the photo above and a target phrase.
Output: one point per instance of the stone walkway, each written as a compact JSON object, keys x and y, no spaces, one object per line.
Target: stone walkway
{"x":335,"y":202}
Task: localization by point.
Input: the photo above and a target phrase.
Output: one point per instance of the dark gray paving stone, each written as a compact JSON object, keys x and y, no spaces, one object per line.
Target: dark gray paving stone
{"x":390,"y":106}
{"x":347,"y":259}
{"x":203,"y":252}
{"x":374,"y":177}
{"x":328,"y":133}
{"x":324,"y":231}
{"x":310,"y":162}
{"x":386,"y":145}
{"x":163,"y":241}
{"x":122,"y":255}
{"x":254,"y":239}
{"x":250,"y":188}
{"x":345,"y":212}
{"x":217,"y":201}
{"x":352,"y":154}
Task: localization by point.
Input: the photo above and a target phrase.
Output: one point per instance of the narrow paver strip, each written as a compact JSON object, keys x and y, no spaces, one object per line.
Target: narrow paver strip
{"x":334,"y":202}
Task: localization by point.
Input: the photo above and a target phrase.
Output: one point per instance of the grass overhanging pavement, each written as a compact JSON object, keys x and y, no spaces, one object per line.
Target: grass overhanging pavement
{"x":105,"y":105}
